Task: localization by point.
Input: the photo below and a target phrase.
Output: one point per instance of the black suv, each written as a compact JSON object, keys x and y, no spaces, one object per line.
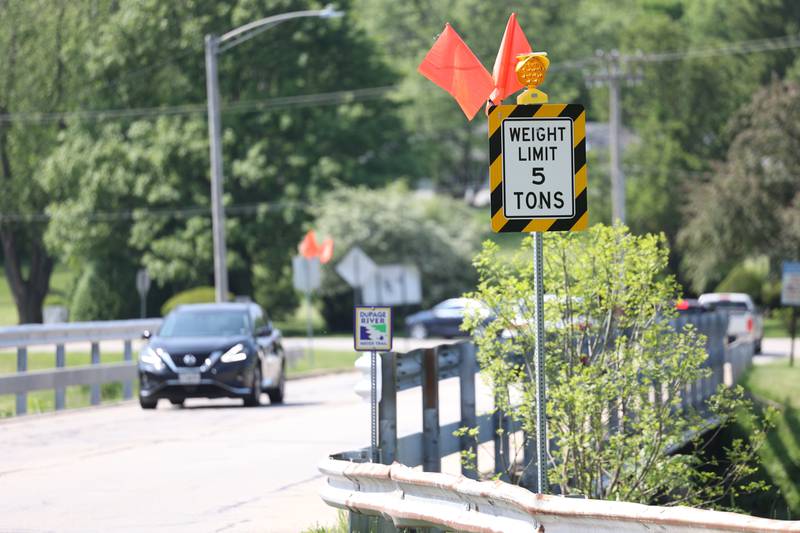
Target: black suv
{"x":211,"y":351}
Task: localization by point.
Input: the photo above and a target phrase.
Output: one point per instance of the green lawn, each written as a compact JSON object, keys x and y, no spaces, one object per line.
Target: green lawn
{"x":780,"y":456}
{"x":323,"y":360}
{"x":8,"y":312}
{"x":774,"y":327}
{"x":44,"y":400}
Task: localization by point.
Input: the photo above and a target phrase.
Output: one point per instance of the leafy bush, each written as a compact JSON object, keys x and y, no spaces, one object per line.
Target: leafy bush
{"x":615,"y":369}
{"x":104,"y":291}
{"x":197,"y":295}
{"x":395,"y":225}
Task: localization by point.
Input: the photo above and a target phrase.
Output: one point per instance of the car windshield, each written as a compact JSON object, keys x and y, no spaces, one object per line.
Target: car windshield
{"x":205,"y":324}
{"x":728,"y":305}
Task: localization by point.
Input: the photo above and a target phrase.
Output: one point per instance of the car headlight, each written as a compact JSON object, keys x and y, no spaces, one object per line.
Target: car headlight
{"x":153,"y":357}
{"x":237,"y":353}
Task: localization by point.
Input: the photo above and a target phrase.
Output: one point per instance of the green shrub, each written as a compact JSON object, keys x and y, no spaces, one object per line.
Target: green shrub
{"x":197,"y":295}
{"x":437,"y":234}
{"x":104,"y":291}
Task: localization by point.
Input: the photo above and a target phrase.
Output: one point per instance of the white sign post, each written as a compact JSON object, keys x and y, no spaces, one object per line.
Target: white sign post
{"x":790,"y":295}
{"x":143,"y":287}
{"x":372,"y":332}
{"x":306,"y":277}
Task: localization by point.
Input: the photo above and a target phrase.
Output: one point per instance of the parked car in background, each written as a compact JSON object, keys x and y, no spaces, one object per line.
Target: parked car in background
{"x":211,"y":351}
{"x":443,"y":320}
{"x":744,"y":319}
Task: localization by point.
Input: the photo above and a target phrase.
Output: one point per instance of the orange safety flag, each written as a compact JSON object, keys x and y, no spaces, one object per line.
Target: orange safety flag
{"x":326,"y":251}
{"x":451,"y":65}
{"x":504,"y":72}
{"x":308,"y":247}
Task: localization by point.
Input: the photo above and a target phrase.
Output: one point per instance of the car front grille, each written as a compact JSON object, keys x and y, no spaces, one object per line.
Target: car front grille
{"x":181,"y":360}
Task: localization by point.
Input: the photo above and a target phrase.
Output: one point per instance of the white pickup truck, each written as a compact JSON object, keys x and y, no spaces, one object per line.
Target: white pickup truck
{"x":744,"y":319}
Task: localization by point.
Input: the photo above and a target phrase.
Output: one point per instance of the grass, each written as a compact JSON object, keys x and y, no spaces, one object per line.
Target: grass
{"x":8,"y":311}
{"x":44,"y":400}
{"x":779,"y":385}
{"x":323,"y":360}
{"x":774,"y":327}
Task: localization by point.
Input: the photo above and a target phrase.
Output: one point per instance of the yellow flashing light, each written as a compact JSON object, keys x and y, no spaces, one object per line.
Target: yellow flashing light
{"x":531,"y":70}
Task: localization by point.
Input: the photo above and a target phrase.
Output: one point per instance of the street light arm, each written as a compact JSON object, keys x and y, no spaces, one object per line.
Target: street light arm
{"x":248,"y":31}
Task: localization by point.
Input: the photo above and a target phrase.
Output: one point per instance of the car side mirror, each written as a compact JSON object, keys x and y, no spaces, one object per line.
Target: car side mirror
{"x":264,"y":331}
{"x":146,"y":334}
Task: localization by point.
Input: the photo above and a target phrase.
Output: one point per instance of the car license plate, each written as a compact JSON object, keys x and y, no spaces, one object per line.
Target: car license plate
{"x":189,"y":378}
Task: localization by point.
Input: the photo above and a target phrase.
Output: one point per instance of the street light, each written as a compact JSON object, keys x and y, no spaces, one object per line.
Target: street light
{"x":215,"y":46}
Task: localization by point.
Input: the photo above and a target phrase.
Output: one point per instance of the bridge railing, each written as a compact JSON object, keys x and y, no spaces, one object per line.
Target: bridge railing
{"x":425,"y":367}
{"x":60,"y":377}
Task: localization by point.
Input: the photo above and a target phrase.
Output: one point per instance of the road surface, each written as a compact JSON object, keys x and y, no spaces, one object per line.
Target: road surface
{"x":212,"y":466}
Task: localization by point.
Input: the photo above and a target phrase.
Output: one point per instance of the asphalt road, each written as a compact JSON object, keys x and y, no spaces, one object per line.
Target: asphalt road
{"x":212,"y":466}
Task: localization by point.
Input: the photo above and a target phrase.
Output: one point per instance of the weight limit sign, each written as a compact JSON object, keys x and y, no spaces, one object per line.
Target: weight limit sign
{"x":537,"y":167}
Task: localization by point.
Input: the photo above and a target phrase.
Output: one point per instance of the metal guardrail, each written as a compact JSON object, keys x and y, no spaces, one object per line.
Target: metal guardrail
{"x":58,"y":335}
{"x":54,"y":334}
{"x":424,"y":368}
{"x":407,"y":498}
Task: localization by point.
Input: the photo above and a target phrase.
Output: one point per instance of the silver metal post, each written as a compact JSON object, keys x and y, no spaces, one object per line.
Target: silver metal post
{"x":60,"y":363}
{"x":22,"y":366}
{"x":373,"y":406}
{"x":309,"y":329}
{"x":541,"y":415}
{"x":215,"y":150}
{"x":617,"y":177}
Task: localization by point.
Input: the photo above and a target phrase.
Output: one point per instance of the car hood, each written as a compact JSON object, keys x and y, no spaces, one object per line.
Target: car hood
{"x":196,"y":344}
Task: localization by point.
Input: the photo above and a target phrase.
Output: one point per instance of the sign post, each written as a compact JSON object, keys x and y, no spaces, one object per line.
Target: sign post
{"x":537,"y":173}
{"x":790,"y":295}
{"x":143,"y":287}
{"x":306,"y":277}
{"x":372,"y":332}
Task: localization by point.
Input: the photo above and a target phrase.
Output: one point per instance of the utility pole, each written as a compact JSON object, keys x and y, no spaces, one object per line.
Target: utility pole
{"x":215,"y":46}
{"x":614,"y":70}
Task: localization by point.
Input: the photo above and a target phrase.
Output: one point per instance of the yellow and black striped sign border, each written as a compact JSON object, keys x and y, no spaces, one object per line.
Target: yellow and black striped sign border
{"x":496,"y":116}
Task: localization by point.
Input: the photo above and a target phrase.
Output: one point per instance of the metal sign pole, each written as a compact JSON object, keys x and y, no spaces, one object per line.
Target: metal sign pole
{"x":309,"y":326}
{"x":373,"y":406}
{"x":541,"y":415}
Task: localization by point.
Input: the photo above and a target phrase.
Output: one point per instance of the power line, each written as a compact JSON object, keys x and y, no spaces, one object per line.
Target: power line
{"x":338,"y":97}
{"x":304,"y":100}
{"x":145,"y":212}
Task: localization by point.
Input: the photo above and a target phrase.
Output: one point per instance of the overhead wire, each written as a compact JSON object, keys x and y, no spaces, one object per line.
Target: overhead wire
{"x":370,"y":93}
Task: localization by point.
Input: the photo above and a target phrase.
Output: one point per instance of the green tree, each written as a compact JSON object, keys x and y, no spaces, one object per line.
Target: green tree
{"x":436,"y":234}
{"x":41,"y":70}
{"x":749,"y":207}
{"x":615,"y":369}
{"x":278,"y":159}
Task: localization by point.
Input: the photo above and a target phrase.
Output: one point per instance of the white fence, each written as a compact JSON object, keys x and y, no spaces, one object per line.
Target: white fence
{"x":414,"y":499}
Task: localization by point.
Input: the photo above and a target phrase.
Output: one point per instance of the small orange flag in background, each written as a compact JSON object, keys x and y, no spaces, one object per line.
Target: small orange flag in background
{"x":504,"y":72}
{"x":451,"y":65}
{"x":308,"y":247}
{"x":326,"y":251}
